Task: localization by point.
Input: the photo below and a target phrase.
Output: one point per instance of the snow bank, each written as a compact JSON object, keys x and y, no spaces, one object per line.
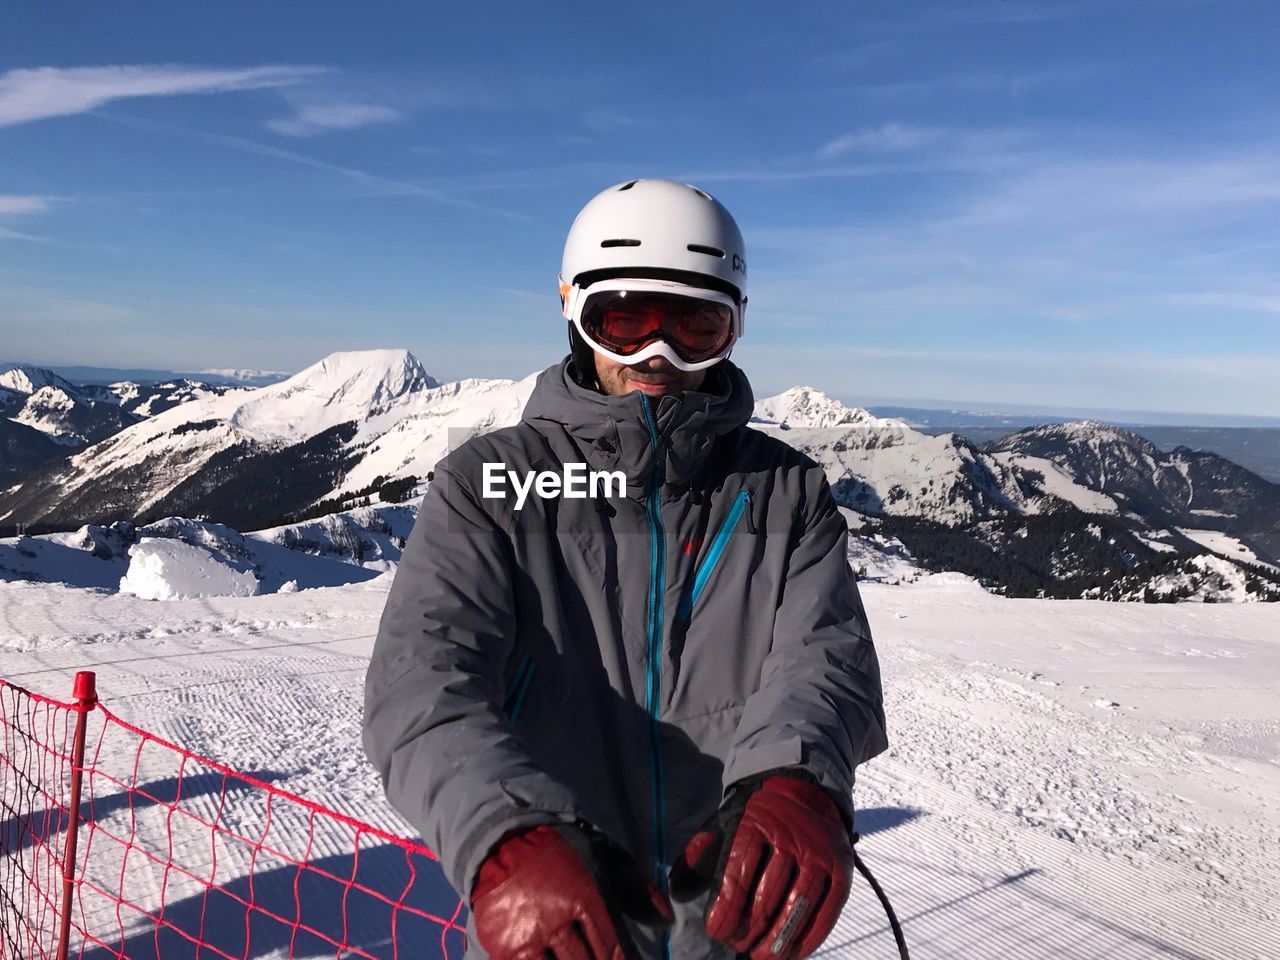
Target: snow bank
{"x":225,"y":543}
{"x":342,"y":548}
{"x":365,"y":536}
{"x":161,"y":569}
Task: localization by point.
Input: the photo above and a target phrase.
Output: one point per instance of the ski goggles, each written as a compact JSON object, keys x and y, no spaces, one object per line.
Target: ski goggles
{"x":630,"y":321}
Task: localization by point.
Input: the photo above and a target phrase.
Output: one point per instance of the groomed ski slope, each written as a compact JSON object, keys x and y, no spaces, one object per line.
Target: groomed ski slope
{"x":1068,"y":779}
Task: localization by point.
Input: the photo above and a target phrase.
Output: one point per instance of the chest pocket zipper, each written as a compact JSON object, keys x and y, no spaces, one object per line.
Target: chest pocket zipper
{"x":741,"y":505}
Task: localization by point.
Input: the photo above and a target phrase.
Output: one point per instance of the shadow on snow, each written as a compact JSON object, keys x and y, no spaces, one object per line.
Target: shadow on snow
{"x":325,"y":908}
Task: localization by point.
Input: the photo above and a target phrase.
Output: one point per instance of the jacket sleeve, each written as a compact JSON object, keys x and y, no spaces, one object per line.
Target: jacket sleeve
{"x":433,"y":721}
{"x":818,"y":704}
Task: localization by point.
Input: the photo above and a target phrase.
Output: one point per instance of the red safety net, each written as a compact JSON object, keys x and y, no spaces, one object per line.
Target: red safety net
{"x":183,"y":857}
{"x":35,"y":765}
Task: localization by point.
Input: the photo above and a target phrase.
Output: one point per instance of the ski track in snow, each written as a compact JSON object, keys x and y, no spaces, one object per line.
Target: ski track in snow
{"x":1069,"y":779}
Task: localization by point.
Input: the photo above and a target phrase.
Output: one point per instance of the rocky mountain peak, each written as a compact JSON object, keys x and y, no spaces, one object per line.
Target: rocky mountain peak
{"x":26,"y":379}
{"x":809,"y":407}
{"x":351,"y":387}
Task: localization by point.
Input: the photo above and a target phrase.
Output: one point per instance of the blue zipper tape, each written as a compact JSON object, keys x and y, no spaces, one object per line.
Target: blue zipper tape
{"x":524,"y":688}
{"x":657,"y":576}
{"x":716,"y":551}
{"x":519,"y":684}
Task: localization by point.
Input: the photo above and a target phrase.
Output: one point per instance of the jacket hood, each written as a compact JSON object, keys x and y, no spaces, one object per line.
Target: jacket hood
{"x":617,"y":433}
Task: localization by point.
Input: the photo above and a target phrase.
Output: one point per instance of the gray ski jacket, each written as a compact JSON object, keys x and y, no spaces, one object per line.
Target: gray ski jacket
{"x":620,"y":660}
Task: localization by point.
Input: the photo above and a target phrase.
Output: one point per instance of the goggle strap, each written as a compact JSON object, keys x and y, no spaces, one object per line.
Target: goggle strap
{"x":569,"y":295}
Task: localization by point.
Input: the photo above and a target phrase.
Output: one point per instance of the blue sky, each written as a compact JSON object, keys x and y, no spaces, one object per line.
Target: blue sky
{"x":1019,"y":202}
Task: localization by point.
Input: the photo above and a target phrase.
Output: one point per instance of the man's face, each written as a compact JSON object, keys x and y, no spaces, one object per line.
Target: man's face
{"x":656,"y":376}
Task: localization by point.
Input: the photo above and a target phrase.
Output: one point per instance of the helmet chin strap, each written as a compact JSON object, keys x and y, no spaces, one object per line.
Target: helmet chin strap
{"x":583,"y":364}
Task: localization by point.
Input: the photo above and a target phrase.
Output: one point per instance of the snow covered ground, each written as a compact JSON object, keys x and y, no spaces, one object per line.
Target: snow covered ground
{"x":1068,"y":779}
{"x":1225,"y":545}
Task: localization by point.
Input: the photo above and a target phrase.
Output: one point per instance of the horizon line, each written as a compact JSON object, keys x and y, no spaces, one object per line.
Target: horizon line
{"x":985,"y":407}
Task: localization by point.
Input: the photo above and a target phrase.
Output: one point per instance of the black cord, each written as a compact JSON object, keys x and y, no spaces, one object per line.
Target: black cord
{"x":884,"y":902}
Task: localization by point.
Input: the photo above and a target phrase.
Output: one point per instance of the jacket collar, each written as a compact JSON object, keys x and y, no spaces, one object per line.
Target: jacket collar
{"x":616,"y":433}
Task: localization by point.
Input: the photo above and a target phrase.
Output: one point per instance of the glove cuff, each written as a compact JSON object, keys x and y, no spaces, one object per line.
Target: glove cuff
{"x":512,"y":852}
{"x":804,"y":789}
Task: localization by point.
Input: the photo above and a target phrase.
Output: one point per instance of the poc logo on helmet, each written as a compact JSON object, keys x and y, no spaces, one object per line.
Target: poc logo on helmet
{"x":739,"y":265}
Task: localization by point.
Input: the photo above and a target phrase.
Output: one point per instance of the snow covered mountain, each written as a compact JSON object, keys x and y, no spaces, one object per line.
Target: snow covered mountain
{"x":72,"y":418}
{"x":22,"y":449}
{"x":251,"y":457}
{"x":1023,"y":523}
{"x":880,"y":466}
{"x":58,"y":408}
{"x":807,"y":407}
{"x":26,"y":380}
{"x":1030,"y":519}
{"x":148,"y":399}
{"x":45,"y":417}
{"x":1184,"y":487}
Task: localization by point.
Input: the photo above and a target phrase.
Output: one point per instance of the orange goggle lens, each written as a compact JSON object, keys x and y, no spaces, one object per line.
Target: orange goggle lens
{"x":626,"y":321}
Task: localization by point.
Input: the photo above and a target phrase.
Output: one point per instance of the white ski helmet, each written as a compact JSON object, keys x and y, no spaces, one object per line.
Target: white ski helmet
{"x":658,"y":230}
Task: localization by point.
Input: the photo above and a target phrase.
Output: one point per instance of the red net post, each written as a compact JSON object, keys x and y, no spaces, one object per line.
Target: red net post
{"x":85,"y":693}
{"x":35,"y":754}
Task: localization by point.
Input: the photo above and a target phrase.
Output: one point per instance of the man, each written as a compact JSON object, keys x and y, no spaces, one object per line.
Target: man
{"x":591,"y":707}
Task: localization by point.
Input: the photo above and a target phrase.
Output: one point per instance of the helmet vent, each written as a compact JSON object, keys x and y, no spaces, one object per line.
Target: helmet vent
{"x":702,"y":193}
{"x":628,"y":186}
{"x":622,"y":243}
{"x":709,"y":251}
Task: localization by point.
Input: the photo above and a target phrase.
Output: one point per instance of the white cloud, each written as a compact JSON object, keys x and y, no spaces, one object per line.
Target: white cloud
{"x":611,"y":121}
{"x":980,"y":13}
{"x":1107,"y":190}
{"x":1020,"y":84}
{"x":856,"y":58}
{"x":19,"y":204}
{"x":36,"y":94}
{"x":1004,"y":11}
{"x":986,"y":83}
{"x":953,"y":151}
{"x":1243,"y":301}
{"x":310,"y":119}
{"x":376,"y":185}
{"x":887,"y":138}
{"x":6,"y":234}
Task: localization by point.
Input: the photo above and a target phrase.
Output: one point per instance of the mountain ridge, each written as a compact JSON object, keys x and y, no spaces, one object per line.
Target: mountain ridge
{"x":356,"y":420}
{"x":1180,"y":487}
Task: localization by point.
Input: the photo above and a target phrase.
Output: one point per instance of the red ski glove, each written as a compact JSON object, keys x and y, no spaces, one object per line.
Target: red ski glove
{"x":779,"y":859}
{"x":559,"y":893}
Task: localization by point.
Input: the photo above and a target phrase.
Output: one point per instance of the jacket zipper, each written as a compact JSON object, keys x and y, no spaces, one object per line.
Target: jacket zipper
{"x":657,"y":585}
{"x":514,"y":701}
{"x":741,"y":505}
